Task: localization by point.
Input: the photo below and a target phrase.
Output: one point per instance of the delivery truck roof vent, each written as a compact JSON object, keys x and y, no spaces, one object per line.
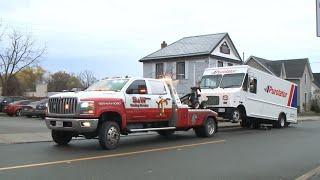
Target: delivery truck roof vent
{"x":163,"y":44}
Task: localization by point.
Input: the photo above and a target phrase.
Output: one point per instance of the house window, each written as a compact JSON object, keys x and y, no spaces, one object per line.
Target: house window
{"x":305,"y":78}
{"x":220,"y":64}
{"x":159,"y":70}
{"x":224,"y":48}
{"x":230,"y":64}
{"x":181,"y":70}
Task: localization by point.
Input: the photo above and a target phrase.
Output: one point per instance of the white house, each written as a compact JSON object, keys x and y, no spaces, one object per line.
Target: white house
{"x":186,"y":59}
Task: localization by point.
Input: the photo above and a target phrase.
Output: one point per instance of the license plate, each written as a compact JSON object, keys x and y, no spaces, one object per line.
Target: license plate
{"x":59,"y":123}
{"x":221,"y":110}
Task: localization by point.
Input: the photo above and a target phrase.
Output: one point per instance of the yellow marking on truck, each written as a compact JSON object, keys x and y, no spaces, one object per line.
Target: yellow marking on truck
{"x":109,"y":155}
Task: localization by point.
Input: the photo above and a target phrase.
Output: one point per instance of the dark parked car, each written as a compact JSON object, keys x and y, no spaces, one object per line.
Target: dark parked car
{"x":5,"y":100}
{"x":15,"y":108}
{"x":37,"y":108}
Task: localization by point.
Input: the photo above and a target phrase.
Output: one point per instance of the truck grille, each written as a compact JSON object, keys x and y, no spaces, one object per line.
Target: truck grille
{"x":62,"y":105}
{"x":213,"y":100}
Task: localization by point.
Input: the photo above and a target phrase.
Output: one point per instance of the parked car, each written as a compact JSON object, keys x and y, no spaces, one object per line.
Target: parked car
{"x":5,"y":100}
{"x":37,"y":108}
{"x":15,"y":108}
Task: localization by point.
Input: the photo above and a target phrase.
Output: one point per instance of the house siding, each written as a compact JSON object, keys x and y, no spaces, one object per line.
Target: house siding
{"x":305,"y":103}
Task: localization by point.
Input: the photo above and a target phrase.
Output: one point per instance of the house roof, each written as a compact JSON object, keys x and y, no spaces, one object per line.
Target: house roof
{"x":294,"y":68}
{"x":316,"y":80}
{"x":189,"y":46}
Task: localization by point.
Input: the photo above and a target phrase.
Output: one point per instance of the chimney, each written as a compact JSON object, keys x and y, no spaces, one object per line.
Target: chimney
{"x":163,"y":45}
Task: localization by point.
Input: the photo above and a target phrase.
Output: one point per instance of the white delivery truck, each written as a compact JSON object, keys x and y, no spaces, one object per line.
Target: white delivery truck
{"x":243,"y":93}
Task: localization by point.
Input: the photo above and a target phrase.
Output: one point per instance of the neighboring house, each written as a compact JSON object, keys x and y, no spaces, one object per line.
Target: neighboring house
{"x":294,"y":70}
{"x":315,"y":84}
{"x":186,"y":59}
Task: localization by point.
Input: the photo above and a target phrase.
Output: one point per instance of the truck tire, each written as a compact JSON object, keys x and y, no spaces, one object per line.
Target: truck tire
{"x":109,"y":135}
{"x":165,"y":133}
{"x":236,"y":116}
{"x":208,"y":129}
{"x":281,"y":123}
{"x":61,"y":137}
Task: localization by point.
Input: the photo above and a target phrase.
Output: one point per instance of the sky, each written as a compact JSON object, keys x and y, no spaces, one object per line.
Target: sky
{"x":108,"y":37}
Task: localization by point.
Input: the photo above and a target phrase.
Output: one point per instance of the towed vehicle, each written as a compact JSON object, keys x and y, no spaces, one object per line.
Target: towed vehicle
{"x":253,"y":97}
{"x":35,"y":109}
{"x":15,"y":108}
{"x":120,"y":106}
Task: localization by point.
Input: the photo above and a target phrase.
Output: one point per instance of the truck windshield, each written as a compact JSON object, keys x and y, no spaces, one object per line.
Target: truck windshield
{"x":225,"y":81}
{"x":210,"y":81}
{"x":232,"y":80}
{"x":108,"y":85}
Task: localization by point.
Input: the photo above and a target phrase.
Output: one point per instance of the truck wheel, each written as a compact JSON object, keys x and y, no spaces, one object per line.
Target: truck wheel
{"x":109,"y":135}
{"x":208,"y":129}
{"x":281,"y":123}
{"x":61,"y":137}
{"x":165,"y":133}
{"x":236,"y":116}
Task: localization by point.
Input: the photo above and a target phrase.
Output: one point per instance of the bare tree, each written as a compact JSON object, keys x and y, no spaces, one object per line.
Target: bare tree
{"x":86,"y":78}
{"x":18,"y":53}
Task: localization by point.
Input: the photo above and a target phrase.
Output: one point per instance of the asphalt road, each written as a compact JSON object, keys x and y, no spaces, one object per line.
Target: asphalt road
{"x":21,"y":125}
{"x":232,"y":154}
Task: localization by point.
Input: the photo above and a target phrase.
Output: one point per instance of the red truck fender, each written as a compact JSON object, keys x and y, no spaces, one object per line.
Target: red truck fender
{"x":112,"y":107}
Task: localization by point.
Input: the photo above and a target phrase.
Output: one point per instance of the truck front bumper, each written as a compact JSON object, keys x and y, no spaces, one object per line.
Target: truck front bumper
{"x":70,"y":124}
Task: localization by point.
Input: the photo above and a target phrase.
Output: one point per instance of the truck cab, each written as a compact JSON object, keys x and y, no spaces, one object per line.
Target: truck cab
{"x":122,"y":106}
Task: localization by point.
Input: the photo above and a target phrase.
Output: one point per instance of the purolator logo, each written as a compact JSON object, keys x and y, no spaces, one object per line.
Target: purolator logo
{"x":277,"y":92}
{"x":224,"y":71}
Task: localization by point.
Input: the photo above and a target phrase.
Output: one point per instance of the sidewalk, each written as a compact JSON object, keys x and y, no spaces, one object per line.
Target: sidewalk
{"x":46,"y":136}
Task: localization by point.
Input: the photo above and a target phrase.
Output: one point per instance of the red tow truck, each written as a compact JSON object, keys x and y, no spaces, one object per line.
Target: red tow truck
{"x":116,"y":106}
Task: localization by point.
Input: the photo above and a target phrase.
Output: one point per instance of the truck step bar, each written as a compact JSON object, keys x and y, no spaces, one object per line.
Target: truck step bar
{"x":151,"y":129}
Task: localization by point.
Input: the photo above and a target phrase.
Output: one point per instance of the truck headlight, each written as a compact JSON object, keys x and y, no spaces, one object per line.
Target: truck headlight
{"x":87,"y":107}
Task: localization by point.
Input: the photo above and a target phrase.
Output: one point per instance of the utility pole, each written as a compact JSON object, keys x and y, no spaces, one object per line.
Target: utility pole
{"x":242,"y":57}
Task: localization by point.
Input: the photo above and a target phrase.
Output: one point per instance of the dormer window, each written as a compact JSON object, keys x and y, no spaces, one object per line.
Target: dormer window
{"x":224,"y":48}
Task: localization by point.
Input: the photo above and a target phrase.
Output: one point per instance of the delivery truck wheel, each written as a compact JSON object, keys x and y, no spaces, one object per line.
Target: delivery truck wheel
{"x":209,"y":128}
{"x":281,"y":123}
{"x":61,"y":137}
{"x":236,"y":116}
{"x":109,"y":135}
